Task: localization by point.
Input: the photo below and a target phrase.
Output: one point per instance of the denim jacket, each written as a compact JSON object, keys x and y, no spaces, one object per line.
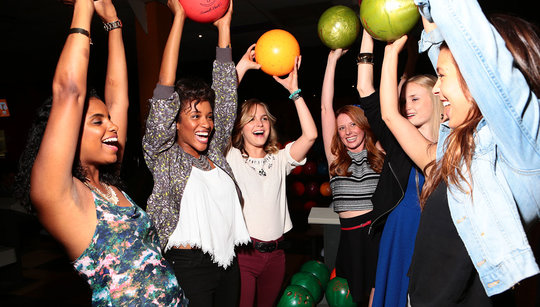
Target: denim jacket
{"x":505,"y":168}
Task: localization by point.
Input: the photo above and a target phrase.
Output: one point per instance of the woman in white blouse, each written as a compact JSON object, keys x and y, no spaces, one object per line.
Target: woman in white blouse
{"x":260,"y":169}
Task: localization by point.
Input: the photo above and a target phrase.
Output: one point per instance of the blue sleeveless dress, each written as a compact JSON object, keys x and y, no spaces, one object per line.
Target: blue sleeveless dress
{"x":396,"y":247}
{"x":123,"y":264}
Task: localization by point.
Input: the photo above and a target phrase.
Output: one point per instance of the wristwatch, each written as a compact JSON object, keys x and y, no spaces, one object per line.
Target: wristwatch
{"x":112,"y":25}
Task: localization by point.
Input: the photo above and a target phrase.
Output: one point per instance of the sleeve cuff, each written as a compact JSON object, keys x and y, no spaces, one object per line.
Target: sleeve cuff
{"x":163,"y":91}
{"x":223,"y":55}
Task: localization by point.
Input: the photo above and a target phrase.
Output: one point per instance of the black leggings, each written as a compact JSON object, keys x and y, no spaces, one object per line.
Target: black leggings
{"x":205,"y":283}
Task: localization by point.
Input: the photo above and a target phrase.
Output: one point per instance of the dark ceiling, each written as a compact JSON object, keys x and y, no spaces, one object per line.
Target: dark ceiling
{"x":32,"y":33}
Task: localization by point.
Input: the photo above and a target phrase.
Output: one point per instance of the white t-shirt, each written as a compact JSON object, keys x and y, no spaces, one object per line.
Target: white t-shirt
{"x":262,"y":182}
{"x":210,"y":216}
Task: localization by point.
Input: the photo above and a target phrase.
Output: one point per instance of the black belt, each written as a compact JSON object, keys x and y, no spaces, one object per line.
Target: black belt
{"x":268,"y":247}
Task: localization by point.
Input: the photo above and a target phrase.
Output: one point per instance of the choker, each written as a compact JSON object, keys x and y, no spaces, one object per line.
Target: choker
{"x":110,"y":196}
{"x":201,"y":162}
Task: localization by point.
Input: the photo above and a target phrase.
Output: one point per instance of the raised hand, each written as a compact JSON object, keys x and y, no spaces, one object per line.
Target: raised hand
{"x":291,"y":82}
{"x":106,"y":10}
{"x":247,"y":62}
{"x":337,"y":54}
{"x":176,"y":8}
{"x":226,"y":19}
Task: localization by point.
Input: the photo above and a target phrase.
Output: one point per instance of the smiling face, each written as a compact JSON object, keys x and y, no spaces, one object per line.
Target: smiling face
{"x":257,"y":129}
{"x":457,"y":103}
{"x":350,"y":134}
{"x":418,"y":104}
{"x":194,"y":127}
{"x":99,"y":139}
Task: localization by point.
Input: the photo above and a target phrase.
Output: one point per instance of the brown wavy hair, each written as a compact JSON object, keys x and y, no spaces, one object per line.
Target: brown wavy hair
{"x":247,"y":112}
{"x":523,"y":42}
{"x":340,"y":165}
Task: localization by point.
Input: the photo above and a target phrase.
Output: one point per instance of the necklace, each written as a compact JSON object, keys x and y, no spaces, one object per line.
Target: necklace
{"x":259,"y":165}
{"x":201,"y":163}
{"x":110,"y":196}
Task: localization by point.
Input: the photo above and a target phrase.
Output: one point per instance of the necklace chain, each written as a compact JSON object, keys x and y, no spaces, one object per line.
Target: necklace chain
{"x":268,"y":160}
{"x":110,"y":196}
{"x":201,"y":163}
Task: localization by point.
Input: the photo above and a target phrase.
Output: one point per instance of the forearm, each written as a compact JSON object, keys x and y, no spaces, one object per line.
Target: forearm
{"x":72,"y":67}
{"x":364,"y":83}
{"x":169,"y":62}
{"x":225,"y":86}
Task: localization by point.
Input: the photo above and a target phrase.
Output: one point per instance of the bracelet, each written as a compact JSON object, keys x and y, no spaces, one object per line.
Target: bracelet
{"x":80,"y":31}
{"x":295,"y":95}
{"x":364,"y":58}
{"x":108,"y":26}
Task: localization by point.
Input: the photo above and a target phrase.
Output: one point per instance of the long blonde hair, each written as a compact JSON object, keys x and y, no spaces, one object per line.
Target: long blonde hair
{"x":426,"y":81}
{"x":341,"y":163}
{"x":247,"y":112}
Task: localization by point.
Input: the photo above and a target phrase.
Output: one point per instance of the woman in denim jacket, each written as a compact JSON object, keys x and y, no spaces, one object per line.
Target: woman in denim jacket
{"x":493,"y":112}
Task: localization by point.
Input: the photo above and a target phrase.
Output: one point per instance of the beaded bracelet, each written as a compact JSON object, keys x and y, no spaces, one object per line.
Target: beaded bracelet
{"x":295,"y":95}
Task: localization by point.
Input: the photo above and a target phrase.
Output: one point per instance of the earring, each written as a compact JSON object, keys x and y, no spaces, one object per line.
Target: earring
{"x":442,"y":116}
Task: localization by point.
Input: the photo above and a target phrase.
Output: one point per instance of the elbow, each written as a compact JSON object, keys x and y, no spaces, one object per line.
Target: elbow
{"x":66,"y":88}
{"x":364,"y":91}
{"x":312,"y":136}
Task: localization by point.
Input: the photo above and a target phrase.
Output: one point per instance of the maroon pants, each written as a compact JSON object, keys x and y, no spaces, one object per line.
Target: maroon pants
{"x":261,"y":276}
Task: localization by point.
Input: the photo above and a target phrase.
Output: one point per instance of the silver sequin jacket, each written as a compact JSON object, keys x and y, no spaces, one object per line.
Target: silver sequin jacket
{"x":169,"y":164}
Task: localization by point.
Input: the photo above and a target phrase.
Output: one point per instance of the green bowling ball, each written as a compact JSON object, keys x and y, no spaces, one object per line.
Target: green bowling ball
{"x":338,"y":27}
{"x":295,"y":295}
{"x":338,"y":294}
{"x":310,"y":282}
{"x":319,"y":269}
{"x":388,"y":20}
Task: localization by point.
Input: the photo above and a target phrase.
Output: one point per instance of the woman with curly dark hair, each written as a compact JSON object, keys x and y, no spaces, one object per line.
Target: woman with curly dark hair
{"x":110,"y":240}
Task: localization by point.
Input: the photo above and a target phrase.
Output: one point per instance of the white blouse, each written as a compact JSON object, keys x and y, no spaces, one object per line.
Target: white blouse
{"x":210,"y":216}
{"x":263,"y":186}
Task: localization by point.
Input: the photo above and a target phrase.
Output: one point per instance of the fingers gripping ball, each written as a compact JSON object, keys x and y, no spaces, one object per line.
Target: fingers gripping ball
{"x":338,"y":293}
{"x":295,"y":295}
{"x":387,"y":20}
{"x":276,"y":51}
{"x":205,"y":11}
{"x":338,"y":27}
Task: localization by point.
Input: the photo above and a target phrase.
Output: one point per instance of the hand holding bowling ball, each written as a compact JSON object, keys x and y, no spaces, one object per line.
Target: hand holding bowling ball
{"x":205,"y":11}
{"x":338,"y":27}
{"x":387,"y":20}
{"x":276,"y":51}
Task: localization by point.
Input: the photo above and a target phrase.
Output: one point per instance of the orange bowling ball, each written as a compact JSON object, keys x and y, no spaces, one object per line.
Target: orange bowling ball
{"x":276,"y":51}
{"x":325,"y":189}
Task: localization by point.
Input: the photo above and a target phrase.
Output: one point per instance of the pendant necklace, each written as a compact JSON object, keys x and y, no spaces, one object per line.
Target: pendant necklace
{"x":110,"y":196}
{"x":259,"y":165}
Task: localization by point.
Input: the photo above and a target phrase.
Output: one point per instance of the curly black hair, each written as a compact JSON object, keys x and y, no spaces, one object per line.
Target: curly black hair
{"x":109,"y":174}
{"x":193,"y":89}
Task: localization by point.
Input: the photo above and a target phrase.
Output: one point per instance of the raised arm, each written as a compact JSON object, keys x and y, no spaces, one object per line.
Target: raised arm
{"x":161,"y":121}
{"x":364,"y":82}
{"x":116,"y":82}
{"x":501,"y":91}
{"x":328,"y":117}
{"x":225,"y":84}
{"x":302,"y":145}
{"x":169,"y":62}
{"x":417,"y":147}
{"x":51,"y":180}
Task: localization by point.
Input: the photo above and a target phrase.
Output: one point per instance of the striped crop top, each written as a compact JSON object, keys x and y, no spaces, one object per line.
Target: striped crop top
{"x":354,"y":192}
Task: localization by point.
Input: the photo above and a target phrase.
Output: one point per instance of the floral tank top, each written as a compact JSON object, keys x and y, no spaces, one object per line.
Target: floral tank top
{"x":123,"y":264}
